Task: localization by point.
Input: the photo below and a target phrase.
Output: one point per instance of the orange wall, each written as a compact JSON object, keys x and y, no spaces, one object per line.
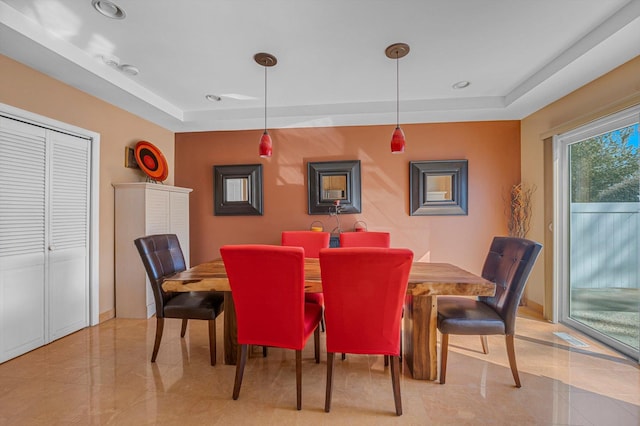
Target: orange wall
{"x":492,"y":149}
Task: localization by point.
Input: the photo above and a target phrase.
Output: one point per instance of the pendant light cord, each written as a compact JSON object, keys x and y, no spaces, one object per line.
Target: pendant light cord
{"x":265,"y":98}
{"x":397,"y":90}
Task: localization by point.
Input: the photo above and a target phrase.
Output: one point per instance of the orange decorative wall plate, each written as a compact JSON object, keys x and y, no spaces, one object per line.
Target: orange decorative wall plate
{"x":151,"y":161}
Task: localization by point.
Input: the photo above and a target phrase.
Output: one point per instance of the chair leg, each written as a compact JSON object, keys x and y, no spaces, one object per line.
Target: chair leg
{"x":299,"y":379}
{"x":386,"y":357}
{"x":316,"y":344}
{"x":264,"y":352}
{"x":444,"y":350}
{"x":322,"y":322}
{"x":485,"y":344}
{"x":511,"y":351}
{"x":242,"y":360}
{"x":395,"y":381}
{"x":156,"y":345}
{"x":212,"y":341}
{"x":184,"y":327}
{"x":327,"y":398}
{"x":344,"y":356}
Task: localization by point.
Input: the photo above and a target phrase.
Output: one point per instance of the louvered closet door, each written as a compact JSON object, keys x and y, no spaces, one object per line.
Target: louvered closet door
{"x":22,"y":237}
{"x":68,"y":278}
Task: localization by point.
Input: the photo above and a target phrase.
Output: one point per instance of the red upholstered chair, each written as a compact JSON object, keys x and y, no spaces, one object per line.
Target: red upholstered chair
{"x":364,"y":290}
{"x":311,"y":242}
{"x":270,"y":279}
{"x":365,"y":239}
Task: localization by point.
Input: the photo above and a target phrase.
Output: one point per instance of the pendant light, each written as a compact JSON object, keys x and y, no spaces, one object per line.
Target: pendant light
{"x":266,"y":60}
{"x":397,"y":51}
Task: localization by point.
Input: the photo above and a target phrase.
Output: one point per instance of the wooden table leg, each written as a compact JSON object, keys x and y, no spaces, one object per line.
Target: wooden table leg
{"x":230,"y":330}
{"x":420,"y":338}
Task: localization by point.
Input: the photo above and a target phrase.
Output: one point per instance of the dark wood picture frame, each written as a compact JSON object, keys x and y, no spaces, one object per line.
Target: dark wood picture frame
{"x":250,"y":178}
{"x":350,"y":194}
{"x":450,"y":201}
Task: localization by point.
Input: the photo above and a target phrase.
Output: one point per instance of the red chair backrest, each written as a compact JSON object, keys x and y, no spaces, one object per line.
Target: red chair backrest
{"x":365,"y":239}
{"x":364,"y":290}
{"x":267,"y":284}
{"x":310,"y":241}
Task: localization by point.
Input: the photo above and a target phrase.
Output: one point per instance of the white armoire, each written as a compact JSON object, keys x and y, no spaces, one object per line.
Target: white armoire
{"x":45,"y":211}
{"x":144,"y":209}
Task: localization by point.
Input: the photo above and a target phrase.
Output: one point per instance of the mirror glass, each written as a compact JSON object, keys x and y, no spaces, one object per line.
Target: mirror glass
{"x":439,"y":187}
{"x":334,"y":187}
{"x":236,"y":189}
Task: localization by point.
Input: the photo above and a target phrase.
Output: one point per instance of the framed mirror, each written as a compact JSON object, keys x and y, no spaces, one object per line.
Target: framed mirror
{"x":237,"y":190}
{"x":334,"y":180}
{"x":438,"y":187}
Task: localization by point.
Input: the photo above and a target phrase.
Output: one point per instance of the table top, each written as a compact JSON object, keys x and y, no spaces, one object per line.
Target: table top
{"x":425,"y":279}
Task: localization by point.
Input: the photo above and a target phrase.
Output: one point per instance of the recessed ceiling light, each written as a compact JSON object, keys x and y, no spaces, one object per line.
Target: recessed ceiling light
{"x":114,"y":62}
{"x":213,"y":98}
{"x":108,"y":9}
{"x":111,"y":63}
{"x":461,"y":84}
{"x":129,"y":69}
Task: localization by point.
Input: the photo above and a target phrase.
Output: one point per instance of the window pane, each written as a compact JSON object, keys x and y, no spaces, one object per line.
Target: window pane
{"x":605,"y":168}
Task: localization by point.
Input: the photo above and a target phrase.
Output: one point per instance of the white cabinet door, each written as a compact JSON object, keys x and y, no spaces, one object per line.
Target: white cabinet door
{"x":179,"y":220}
{"x":68,"y":280}
{"x":22,"y":237}
{"x":158,"y":222}
{"x":157,"y":210}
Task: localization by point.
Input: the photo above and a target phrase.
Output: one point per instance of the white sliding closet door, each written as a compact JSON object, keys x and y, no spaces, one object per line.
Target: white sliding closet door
{"x":22,"y":237}
{"x":44,"y":235}
{"x":69,"y":234}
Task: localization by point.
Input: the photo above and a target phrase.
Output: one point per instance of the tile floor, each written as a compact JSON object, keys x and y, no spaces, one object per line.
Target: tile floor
{"x":102,"y":375}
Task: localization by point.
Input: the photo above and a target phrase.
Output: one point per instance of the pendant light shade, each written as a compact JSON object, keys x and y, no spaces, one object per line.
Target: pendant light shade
{"x":397,"y":141}
{"x":397,"y":51}
{"x":267,"y":60}
{"x":266,"y":147}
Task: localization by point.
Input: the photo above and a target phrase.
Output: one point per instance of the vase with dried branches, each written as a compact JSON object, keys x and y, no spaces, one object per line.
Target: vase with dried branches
{"x":519,"y":205}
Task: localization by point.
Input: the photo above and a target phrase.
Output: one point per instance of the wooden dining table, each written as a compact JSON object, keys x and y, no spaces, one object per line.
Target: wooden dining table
{"x":426,"y":281}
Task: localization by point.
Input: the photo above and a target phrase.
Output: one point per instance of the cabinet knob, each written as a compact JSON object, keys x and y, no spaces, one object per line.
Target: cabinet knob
{"x":52,"y":247}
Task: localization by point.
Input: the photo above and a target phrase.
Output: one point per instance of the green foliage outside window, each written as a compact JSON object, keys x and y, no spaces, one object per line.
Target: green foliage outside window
{"x":606,"y":168}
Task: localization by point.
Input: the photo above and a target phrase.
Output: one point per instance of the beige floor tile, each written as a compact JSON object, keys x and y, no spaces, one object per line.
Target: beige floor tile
{"x":103,"y":376}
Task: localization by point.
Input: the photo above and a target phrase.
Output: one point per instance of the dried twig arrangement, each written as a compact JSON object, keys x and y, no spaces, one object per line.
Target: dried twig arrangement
{"x":520,"y":209}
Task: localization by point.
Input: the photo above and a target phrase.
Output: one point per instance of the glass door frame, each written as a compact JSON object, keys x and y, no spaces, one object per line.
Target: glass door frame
{"x":561,"y":219}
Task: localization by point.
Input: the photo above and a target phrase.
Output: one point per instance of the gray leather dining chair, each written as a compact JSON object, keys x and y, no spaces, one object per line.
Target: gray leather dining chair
{"x":508,"y":265}
{"x":162,"y":257}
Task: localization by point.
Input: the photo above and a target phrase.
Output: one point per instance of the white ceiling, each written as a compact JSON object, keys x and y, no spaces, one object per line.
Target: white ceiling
{"x":519,"y":56}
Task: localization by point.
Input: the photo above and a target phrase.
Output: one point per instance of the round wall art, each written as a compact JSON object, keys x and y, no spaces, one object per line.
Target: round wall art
{"x":151,"y":161}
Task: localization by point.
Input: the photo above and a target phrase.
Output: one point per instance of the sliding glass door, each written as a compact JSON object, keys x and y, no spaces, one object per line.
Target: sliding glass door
{"x":598,"y":201}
